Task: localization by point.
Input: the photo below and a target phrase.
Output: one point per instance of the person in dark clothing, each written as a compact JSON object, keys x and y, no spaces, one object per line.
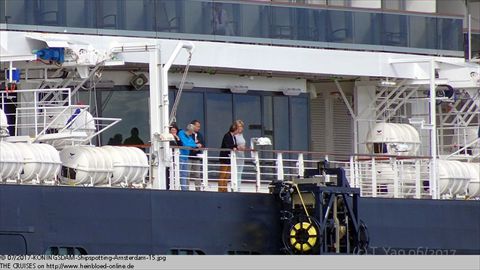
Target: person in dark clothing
{"x":173,"y":129}
{"x":195,"y":157}
{"x":228,"y":142}
{"x":133,"y":139}
{"x":115,"y":140}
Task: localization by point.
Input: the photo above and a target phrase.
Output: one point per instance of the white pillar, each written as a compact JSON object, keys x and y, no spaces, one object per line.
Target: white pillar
{"x":433,"y":134}
{"x":429,"y":6}
{"x":158,"y":115}
{"x":366,"y":3}
{"x":364,"y":97}
{"x":420,"y":111}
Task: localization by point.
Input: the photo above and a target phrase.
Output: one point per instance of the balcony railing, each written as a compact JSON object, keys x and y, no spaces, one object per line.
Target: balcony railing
{"x":375,"y":175}
{"x":243,"y":22}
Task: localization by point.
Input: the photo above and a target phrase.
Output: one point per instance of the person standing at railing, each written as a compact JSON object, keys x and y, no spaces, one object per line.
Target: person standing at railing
{"x":241,"y":143}
{"x":173,"y":129}
{"x":196,"y":156}
{"x":187,"y":141}
{"x":228,"y":142}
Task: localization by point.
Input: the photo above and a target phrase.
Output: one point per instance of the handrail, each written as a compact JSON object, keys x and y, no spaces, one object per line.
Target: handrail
{"x":462,"y":149}
{"x":377,"y":175}
{"x":306,"y":152}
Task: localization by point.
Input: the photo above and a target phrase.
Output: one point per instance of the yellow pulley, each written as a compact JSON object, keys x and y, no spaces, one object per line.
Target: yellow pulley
{"x":303,"y":236}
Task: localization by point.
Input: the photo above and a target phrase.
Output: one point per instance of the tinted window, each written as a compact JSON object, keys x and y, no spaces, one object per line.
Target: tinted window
{"x":190,"y":107}
{"x":281,"y":123}
{"x":219,"y":117}
{"x":132,"y":107}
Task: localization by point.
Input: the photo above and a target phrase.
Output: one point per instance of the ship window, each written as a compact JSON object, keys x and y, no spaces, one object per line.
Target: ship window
{"x":242,"y":252}
{"x":65,"y":251}
{"x":69,"y":173}
{"x":186,"y":252}
{"x":379,"y":148}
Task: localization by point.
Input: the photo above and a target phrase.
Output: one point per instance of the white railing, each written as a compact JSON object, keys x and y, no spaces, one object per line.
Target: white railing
{"x":251,"y":173}
{"x":48,"y":115}
{"x":375,"y":175}
{"x":461,"y":143}
{"x":390,"y":176}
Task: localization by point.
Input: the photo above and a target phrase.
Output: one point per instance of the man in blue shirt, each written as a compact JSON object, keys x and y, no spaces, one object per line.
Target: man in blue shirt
{"x":187,"y":141}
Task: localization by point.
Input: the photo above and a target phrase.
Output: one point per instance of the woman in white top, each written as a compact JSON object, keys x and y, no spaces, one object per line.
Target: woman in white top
{"x":241,"y":143}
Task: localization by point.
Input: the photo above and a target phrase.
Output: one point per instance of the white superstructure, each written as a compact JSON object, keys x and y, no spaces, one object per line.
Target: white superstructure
{"x":410,"y":120}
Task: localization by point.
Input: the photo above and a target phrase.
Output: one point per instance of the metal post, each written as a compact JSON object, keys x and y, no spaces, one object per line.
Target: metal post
{"x":233,"y":170}
{"x":35,"y":118}
{"x":396,"y":182}
{"x":279,"y":164}
{"x":257,"y":170}
{"x":469,"y":37}
{"x":205,"y":170}
{"x":301,"y":165}
{"x":176,"y":169}
{"x":358,"y":175}
{"x":156,"y":109}
{"x":433,"y":133}
{"x":374,"y":179}
{"x":353,"y":179}
{"x":418,"y":180}
{"x":10,"y":72}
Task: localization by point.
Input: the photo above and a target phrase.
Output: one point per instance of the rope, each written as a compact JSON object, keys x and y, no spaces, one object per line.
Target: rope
{"x":180,"y":90}
{"x":303,"y":203}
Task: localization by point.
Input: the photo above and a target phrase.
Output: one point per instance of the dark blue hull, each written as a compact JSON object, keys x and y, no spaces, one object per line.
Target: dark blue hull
{"x":35,"y":219}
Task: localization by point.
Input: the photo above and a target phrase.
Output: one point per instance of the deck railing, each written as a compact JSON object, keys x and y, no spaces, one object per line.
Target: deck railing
{"x":375,"y":175}
{"x":47,"y":115}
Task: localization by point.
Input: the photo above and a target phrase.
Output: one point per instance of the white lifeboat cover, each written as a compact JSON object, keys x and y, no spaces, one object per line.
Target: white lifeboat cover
{"x":3,"y":124}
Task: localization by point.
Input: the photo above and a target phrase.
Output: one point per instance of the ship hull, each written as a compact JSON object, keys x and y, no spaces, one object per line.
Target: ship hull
{"x":133,"y":221}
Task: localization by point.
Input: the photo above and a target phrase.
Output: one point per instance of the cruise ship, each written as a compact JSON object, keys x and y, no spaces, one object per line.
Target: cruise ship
{"x":361,"y":121}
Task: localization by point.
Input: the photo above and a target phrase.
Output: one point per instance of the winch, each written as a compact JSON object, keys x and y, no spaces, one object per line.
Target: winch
{"x":319,"y":213}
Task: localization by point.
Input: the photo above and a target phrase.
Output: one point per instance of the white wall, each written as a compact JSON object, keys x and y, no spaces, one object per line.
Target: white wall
{"x":474,"y":9}
{"x":331,"y":123}
{"x":317,"y":2}
{"x":231,"y":56}
{"x":337,"y":2}
{"x":219,"y":81}
{"x":392,"y":4}
{"x":366,"y":3}
{"x":364,"y":95}
{"x":451,"y":7}
{"x":421,"y":5}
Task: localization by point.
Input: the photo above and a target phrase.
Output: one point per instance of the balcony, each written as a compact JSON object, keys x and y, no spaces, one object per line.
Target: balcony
{"x":242,"y":22}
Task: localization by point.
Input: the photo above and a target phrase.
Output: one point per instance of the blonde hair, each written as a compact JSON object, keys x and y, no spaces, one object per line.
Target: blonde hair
{"x":239,"y":123}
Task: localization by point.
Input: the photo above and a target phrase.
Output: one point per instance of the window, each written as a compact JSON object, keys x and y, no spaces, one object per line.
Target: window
{"x":379,"y":148}
{"x":181,"y":251}
{"x":65,"y":251}
{"x":69,"y":173}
